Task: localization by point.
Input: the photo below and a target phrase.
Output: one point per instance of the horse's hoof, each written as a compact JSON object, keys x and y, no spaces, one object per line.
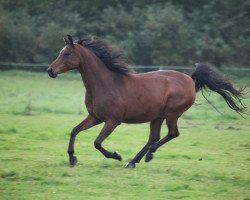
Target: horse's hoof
{"x":130,"y":165}
{"x":149,"y":156}
{"x":117,"y":156}
{"x":73,"y":161}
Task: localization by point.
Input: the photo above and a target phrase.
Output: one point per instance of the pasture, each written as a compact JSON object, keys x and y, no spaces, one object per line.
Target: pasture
{"x":210,"y":159}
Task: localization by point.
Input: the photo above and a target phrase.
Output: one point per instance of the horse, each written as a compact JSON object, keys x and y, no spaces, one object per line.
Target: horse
{"x":116,"y":94}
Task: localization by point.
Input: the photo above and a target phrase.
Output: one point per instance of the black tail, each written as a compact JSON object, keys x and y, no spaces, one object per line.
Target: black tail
{"x":205,"y":77}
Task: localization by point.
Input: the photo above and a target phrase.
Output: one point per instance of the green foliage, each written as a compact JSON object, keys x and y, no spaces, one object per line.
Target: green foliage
{"x":210,"y":159}
{"x":16,"y":35}
{"x":167,"y":33}
{"x":221,"y":32}
{"x":173,"y":32}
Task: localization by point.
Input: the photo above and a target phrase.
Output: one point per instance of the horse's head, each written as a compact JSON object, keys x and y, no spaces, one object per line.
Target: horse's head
{"x":67,"y":59}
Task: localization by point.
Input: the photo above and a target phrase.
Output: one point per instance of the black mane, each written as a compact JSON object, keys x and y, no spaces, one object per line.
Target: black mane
{"x":113,"y":58}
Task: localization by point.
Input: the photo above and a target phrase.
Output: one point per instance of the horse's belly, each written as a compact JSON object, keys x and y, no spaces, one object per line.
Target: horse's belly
{"x":138,"y":119}
{"x":148,"y":114}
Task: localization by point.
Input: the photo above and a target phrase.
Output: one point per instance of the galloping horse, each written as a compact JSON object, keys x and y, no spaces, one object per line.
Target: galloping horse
{"x":115,"y":94}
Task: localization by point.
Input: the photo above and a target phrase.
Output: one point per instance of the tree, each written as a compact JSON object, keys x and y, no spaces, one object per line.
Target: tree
{"x":153,"y":32}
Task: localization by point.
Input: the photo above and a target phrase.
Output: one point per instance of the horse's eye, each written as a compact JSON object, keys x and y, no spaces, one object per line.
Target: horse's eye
{"x":66,"y":54}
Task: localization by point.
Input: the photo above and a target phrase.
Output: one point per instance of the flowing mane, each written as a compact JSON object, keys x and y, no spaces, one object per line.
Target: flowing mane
{"x":113,"y":58}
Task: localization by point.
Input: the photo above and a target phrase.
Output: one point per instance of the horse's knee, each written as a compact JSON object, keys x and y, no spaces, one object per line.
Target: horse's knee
{"x":74,"y":132}
{"x":174,"y":134}
{"x":97,"y":145}
{"x":71,"y":152}
{"x":177,"y":133}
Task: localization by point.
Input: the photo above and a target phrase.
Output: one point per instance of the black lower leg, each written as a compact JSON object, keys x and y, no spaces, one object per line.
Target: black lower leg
{"x":154,"y":136}
{"x":72,"y":158}
{"x":138,"y":157}
{"x":105,"y":132}
{"x":85,"y":124}
{"x":115,"y":155}
{"x":155,"y":146}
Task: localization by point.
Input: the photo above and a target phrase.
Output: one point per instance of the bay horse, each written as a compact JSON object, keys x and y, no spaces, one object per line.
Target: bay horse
{"x":115,"y":94}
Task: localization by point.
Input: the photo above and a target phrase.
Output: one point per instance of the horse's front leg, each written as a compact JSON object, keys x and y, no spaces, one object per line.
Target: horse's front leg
{"x":105,"y":132}
{"x":85,"y":124}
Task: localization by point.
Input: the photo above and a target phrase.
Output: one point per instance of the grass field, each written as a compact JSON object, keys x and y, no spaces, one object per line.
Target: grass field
{"x":210,"y":159}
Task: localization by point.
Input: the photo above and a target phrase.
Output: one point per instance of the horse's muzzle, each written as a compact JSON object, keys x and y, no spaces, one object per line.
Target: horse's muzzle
{"x":51,"y":73}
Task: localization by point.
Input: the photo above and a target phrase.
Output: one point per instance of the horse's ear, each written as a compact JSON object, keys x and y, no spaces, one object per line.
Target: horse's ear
{"x":66,"y":41}
{"x":70,"y":39}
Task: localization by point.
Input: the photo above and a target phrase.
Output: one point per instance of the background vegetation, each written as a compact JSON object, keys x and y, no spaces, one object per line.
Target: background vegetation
{"x":153,"y":32}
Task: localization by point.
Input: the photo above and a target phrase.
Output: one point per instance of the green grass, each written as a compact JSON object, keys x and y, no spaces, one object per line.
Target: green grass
{"x":210,"y":159}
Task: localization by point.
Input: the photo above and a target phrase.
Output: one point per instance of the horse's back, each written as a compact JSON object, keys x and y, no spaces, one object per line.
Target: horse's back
{"x":172,"y":80}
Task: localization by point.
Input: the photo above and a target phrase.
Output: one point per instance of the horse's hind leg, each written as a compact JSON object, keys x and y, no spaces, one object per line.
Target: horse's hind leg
{"x":154,"y":136}
{"x":172,"y":133}
{"x":85,"y":124}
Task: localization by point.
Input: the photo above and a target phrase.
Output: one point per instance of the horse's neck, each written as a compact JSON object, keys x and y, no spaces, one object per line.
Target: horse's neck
{"x":96,"y":76}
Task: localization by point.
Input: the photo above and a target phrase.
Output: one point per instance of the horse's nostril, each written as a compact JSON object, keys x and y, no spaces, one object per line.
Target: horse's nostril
{"x":51,"y":73}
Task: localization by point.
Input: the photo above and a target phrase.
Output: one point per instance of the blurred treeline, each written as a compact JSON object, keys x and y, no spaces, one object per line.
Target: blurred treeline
{"x":170,"y":32}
